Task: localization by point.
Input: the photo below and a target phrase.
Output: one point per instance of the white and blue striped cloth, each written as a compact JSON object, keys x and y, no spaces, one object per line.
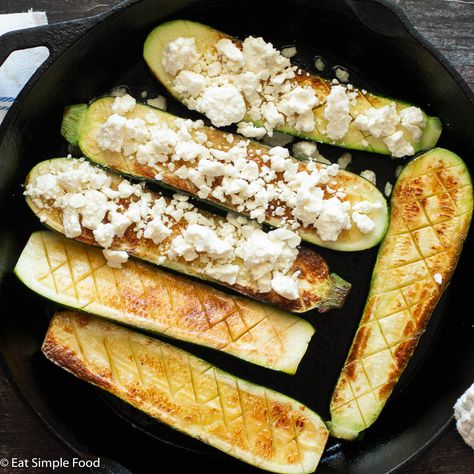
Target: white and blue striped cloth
{"x":20,"y":65}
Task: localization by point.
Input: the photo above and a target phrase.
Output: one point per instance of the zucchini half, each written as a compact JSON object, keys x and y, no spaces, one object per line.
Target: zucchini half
{"x":80,"y":126}
{"x":431,"y":213}
{"x":252,"y":423}
{"x":77,"y":276}
{"x":206,"y":37}
{"x":318,"y":289}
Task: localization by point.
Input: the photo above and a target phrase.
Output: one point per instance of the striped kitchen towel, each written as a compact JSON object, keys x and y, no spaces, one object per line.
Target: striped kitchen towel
{"x":20,"y":65}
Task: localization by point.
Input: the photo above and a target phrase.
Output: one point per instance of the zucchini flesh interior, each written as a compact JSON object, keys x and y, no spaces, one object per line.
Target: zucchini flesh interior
{"x":252,"y":423}
{"x":77,"y":276}
{"x":206,"y":38}
{"x":318,"y":289}
{"x":431,"y":213}
{"x":82,"y":123}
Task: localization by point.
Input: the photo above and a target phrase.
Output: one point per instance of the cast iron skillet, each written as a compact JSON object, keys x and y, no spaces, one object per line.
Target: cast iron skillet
{"x":87,"y":58}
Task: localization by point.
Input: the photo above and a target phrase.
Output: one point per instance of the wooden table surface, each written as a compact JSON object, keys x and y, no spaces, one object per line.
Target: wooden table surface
{"x":449,"y":25}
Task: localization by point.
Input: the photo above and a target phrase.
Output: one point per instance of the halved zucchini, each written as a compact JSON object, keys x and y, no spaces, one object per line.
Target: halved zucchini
{"x":252,"y":423}
{"x":76,"y":275}
{"x":206,"y":38}
{"x":318,"y":289}
{"x":82,"y":123}
{"x":431,"y":213}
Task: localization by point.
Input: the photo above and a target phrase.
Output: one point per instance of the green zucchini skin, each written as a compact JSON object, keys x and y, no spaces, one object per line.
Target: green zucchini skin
{"x":81,"y":123}
{"x":319,"y":288}
{"x":353,"y":140}
{"x":432,"y":204}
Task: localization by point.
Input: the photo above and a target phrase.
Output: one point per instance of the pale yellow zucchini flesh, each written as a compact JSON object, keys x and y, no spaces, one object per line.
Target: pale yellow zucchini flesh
{"x":206,"y":37}
{"x":81,"y":125}
{"x":252,"y":423}
{"x":318,"y":288}
{"x":431,"y":213}
{"x":139,"y":295}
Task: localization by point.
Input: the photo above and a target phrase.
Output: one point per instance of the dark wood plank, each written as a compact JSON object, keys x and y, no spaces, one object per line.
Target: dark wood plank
{"x":449,"y":25}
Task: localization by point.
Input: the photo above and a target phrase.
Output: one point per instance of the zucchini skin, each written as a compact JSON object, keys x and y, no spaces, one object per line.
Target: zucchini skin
{"x":82,"y":132}
{"x":319,"y":289}
{"x":353,"y":140}
{"x":432,"y":207}
{"x":148,"y":298}
{"x":252,"y":423}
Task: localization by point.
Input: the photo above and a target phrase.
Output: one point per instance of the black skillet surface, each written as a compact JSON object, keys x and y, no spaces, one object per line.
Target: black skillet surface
{"x":89,"y":57}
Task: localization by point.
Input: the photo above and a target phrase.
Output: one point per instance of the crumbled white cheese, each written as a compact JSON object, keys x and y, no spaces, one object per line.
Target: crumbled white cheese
{"x":398,"y":146}
{"x":260,"y":184}
{"x":333,"y":219}
{"x":232,"y":54}
{"x":336,"y":113}
{"x":123,"y":104}
{"x":115,"y":258}
{"x":398,"y":170}
{"x":285,"y":286}
{"x":414,"y":121}
{"x":342,"y":74}
{"x":369,"y":175}
{"x":366,"y":206}
{"x":289,"y":52}
{"x":363,"y":222}
{"x":232,"y":250}
{"x":438,"y":278}
{"x":319,"y":63}
{"x":189,"y":83}
{"x":305,"y":149}
{"x":223,"y":105}
{"x":159,"y":102}
{"x":379,"y":122}
{"x":179,"y":54}
{"x":344,"y":160}
{"x":388,"y":188}
{"x":249,"y":130}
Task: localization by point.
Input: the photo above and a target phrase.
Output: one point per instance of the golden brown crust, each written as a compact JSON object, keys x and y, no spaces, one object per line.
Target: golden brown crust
{"x":249,"y":422}
{"x":414,"y":265}
{"x":139,"y":295}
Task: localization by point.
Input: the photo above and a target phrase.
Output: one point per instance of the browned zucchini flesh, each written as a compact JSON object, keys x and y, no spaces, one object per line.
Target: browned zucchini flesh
{"x":77,"y":276}
{"x":431,"y":213}
{"x":252,"y":423}
{"x":232,"y":251}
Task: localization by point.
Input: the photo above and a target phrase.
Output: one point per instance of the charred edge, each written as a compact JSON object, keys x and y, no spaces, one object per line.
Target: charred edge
{"x":337,"y":294}
{"x":57,"y":353}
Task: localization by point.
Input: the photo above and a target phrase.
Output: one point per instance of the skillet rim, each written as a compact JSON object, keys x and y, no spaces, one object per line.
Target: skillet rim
{"x":85,"y":25}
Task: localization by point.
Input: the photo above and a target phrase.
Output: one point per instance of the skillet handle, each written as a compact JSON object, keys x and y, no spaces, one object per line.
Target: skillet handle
{"x":56,"y":37}
{"x":383,"y":17}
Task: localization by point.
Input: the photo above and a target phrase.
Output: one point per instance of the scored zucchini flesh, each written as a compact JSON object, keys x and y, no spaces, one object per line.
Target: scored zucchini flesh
{"x":206,"y":38}
{"x":252,"y":423}
{"x":81,"y":125}
{"x":77,"y":276}
{"x":317,"y":287}
{"x":431,"y":213}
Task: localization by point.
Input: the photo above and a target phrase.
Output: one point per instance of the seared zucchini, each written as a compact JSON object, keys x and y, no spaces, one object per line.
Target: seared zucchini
{"x":82,"y":123}
{"x":317,"y":288}
{"x":431,"y":213}
{"x":252,"y":423}
{"x":77,"y":276}
{"x":361,"y":101}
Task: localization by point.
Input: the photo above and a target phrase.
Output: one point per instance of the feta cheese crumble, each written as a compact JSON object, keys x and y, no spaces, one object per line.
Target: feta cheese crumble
{"x":231,"y":250}
{"x":252,"y":81}
{"x":264,"y":183}
{"x":369,"y":175}
{"x":438,"y":278}
{"x":115,"y":258}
